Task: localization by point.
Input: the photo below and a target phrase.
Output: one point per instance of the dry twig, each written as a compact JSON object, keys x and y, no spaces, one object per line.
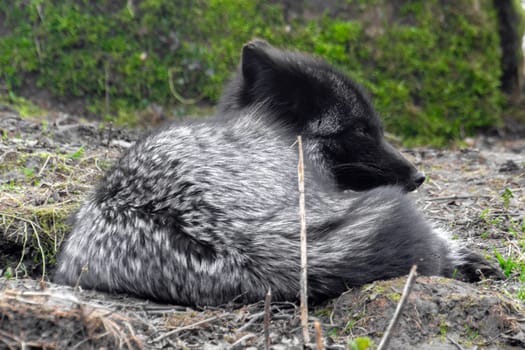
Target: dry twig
{"x":190,"y":326}
{"x":406,"y":292}
{"x":453,"y":198}
{"x":253,"y":319}
{"x":241,"y":340}
{"x":455,"y":343}
{"x":318,"y":335}
{"x":302,"y":217}
{"x":267,"y":303}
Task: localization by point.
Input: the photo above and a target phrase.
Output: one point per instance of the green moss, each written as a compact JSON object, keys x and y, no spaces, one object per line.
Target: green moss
{"x":51,"y":227}
{"x":42,"y":189}
{"x":443,"y":328}
{"x":23,"y":106}
{"x":377,"y":288}
{"x":393,"y":296}
{"x":361,"y":343}
{"x":432,"y":67}
{"x":39,"y":230}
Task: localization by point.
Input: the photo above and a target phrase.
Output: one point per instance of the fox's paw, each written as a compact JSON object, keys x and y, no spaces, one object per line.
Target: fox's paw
{"x":475,"y":268}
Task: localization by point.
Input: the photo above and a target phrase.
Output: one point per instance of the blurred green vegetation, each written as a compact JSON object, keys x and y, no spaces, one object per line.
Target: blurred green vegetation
{"x":432,"y":67}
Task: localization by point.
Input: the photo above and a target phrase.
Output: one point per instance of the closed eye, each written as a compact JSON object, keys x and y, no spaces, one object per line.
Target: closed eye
{"x":360,"y":130}
{"x":363,"y":131}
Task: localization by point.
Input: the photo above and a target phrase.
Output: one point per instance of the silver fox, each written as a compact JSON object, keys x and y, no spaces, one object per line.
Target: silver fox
{"x":206,"y":212}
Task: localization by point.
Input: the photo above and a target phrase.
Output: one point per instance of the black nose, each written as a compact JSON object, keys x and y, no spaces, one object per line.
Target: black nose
{"x":418,"y":179}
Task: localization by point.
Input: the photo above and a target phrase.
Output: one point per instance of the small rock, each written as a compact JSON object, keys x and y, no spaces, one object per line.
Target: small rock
{"x":46,"y":142}
{"x":509,"y":166}
{"x":120,"y":144}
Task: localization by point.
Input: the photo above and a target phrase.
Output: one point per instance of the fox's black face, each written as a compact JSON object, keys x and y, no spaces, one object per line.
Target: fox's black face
{"x":327,"y":108}
{"x":361,"y":159}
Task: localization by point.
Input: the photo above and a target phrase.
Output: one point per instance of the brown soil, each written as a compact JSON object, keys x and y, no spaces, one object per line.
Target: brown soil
{"x":463,"y":194}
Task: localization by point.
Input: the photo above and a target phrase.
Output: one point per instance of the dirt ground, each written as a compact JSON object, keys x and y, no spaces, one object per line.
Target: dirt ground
{"x":477,"y":191}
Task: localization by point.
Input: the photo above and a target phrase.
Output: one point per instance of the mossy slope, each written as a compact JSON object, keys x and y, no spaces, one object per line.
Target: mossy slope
{"x":433,"y":67}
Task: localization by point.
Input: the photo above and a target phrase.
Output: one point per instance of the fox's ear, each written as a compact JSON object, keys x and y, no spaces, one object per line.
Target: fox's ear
{"x":269,"y":73}
{"x":280,"y":78}
{"x":256,"y":59}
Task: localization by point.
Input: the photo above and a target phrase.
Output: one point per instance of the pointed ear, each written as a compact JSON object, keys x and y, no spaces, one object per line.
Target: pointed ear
{"x":269,"y":73}
{"x":255,"y":60}
{"x":283,"y":79}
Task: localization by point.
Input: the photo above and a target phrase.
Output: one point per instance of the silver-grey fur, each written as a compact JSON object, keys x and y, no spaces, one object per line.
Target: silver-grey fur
{"x":204,"y":213}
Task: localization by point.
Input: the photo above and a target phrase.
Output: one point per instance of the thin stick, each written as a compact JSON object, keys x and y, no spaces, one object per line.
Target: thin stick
{"x":33,"y":226}
{"x":20,"y":262}
{"x":43,"y":166}
{"x":178,"y":97}
{"x":302,"y":216}
{"x":406,"y":292}
{"x":190,"y":326}
{"x":453,"y":198}
{"x":84,"y":269}
{"x":106,"y":86}
{"x":455,"y":343}
{"x":267,"y":304}
{"x":241,"y":340}
{"x":253,"y":319}
{"x":318,"y":335}
{"x":110,"y":131}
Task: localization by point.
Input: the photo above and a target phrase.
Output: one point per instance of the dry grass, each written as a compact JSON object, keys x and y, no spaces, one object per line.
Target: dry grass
{"x":57,"y":320}
{"x":41,"y":184}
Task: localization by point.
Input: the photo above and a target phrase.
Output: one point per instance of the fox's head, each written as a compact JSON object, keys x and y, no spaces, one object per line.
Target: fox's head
{"x":342,"y":131}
